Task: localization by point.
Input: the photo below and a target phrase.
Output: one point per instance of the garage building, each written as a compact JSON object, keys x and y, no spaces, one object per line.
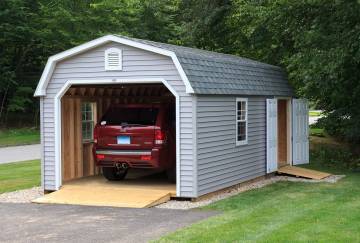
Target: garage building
{"x":236,"y":119}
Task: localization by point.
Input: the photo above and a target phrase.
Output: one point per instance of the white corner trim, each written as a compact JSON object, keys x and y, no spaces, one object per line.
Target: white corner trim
{"x":194,"y":138}
{"x":243,"y":142}
{"x":49,"y":68}
{"x":57,"y":120}
{"x":42,"y":151}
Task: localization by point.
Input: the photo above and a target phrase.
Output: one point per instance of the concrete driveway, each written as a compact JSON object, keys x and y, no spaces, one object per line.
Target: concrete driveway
{"x":67,"y":223}
{"x":19,"y":153}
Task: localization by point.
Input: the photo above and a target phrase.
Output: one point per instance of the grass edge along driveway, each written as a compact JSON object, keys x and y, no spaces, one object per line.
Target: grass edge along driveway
{"x":19,"y":136}
{"x":283,"y":212}
{"x":19,"y":175}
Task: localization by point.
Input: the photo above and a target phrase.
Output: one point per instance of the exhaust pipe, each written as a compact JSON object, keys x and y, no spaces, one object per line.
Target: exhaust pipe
{"x":121,"y":166}
{"x":124,"y":166}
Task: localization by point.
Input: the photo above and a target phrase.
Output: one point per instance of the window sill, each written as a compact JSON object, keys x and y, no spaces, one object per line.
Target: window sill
{"x":240,"y":143}
{"x":87,"y":141}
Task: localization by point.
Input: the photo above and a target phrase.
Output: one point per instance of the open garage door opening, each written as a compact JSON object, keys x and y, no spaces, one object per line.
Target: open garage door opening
{"x":119,"y":132}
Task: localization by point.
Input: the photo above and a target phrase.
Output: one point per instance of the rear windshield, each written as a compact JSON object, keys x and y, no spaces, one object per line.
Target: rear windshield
{"x":130,"y":116}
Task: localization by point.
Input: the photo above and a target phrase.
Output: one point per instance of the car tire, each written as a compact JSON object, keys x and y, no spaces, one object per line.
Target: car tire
{"x":114,"y":174}
{"x":171,"y":174}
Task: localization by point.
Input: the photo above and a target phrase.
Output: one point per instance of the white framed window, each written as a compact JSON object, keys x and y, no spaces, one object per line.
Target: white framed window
{"x":88,"y":114}
{"x":113,"y":59}
{"x":241,"y":121}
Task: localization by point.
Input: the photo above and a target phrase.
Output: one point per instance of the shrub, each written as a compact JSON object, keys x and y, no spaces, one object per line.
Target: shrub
{"x":341,"y":127}
{"x":335,"y":157}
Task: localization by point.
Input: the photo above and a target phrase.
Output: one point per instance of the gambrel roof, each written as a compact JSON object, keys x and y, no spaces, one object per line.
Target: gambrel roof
{"x":217,"y":73}
{"x":203,"y":72}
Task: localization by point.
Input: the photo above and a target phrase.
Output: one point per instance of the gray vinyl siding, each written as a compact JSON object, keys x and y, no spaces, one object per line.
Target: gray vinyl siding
{"x":220,"y":163}
{"x":137,"y":64}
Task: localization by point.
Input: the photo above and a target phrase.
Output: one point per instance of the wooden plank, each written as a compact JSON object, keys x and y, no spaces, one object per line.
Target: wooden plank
{"x":86,"y":163}
{"x":97,"y":191}
{"x":302,"y":172}
{"x":159,"y":200}
{"x":78,"y":139}
{"x":91,"y":160}
{"x":99,"y":108}
{"x":66,"y":147}
{"x":70,"y":140}
{"x":88,"y":160}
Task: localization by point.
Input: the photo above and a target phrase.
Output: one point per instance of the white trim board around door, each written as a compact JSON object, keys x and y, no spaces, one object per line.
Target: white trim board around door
{"x":57,"y":106}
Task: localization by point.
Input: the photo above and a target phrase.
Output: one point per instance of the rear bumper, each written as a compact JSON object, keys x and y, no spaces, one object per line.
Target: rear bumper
{"x":124,"y":152}
{"x":134,"y":158}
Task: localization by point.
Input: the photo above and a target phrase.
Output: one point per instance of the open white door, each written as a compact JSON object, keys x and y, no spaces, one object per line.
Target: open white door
{"x":271,"y":135}
{"x":300,"y":131}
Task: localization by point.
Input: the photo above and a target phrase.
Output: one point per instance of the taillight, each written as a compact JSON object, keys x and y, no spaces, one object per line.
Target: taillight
{"x":145,"y":157}
{"x":159,"y":137}
{"x":95,"y":135}
{"x":100,"y":156}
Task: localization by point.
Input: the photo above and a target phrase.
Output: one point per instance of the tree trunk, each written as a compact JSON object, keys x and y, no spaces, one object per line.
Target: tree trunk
{"x":3,"y":100}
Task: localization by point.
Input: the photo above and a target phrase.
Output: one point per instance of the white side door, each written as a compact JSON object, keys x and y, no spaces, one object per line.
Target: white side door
{"x":271,"y":136}
{"x":300,"y":131}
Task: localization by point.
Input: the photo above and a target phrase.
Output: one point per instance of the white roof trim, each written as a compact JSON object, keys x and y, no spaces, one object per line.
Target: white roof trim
{"x":50,"y":65}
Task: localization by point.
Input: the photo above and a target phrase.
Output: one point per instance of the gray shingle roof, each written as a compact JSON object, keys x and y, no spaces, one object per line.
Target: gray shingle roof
{"x":215,"y":73}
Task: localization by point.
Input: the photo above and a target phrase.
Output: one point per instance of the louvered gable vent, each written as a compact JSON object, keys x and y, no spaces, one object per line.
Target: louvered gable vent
{"x":113,"y":59}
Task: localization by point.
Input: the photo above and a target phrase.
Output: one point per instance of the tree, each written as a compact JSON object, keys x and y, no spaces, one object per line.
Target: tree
{"x":316,"y":42}
{"x":203,"y":24}
{"x":17,"y":55}
{"x":31,"y":31}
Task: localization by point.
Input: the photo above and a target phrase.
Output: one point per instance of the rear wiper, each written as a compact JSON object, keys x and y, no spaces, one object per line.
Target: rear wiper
{"x":131,"y":125}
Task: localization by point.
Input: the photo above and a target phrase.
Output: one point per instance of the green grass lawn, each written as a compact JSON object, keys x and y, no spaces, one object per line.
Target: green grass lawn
{"x":314,"y":113}
{"x":319,"y":132}
{"x":19,"y":175}
{"x":284,"y":212}
{"x":20,"y":136}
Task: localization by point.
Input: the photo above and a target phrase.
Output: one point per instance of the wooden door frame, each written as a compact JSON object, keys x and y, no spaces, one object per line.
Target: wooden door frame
{"x":288,"y":127}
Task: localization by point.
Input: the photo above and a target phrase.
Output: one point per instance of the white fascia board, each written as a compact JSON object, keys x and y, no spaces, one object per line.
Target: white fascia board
{"x":50,"y":65}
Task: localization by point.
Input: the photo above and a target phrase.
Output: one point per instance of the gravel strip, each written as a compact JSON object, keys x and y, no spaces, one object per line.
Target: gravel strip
{"x":22,"y":196}
{"x":26,"y":196}
{"x":173,"y":204}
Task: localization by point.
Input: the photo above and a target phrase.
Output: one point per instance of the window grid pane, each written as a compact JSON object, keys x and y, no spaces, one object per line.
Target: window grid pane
{"x":241,"y":120}
{"x":87,"y":116}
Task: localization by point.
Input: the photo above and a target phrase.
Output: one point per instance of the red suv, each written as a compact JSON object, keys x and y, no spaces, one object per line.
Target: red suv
{"x":136,"y":136}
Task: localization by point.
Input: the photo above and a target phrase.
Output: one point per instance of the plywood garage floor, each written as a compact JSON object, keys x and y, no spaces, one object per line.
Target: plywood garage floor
{"x":97,"y":191}
{"x":302,"y":172}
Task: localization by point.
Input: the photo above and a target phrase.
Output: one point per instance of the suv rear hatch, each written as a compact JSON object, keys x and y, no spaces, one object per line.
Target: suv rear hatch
{"x":128,"y":128}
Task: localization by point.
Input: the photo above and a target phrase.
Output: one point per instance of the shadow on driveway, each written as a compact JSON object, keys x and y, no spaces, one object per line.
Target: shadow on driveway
{"x":68,"y":223}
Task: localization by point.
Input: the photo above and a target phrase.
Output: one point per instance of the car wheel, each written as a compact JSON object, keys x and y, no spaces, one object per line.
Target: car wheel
{"x":114,"y":174}
{"x":171,"y":174}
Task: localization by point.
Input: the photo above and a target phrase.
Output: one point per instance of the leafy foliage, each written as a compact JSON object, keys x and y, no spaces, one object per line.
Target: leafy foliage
{"x":317,"y":42}
{"x":31,"y":31}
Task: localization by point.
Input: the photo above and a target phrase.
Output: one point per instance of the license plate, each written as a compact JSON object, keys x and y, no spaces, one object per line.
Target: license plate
{"x":123,"y":140}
